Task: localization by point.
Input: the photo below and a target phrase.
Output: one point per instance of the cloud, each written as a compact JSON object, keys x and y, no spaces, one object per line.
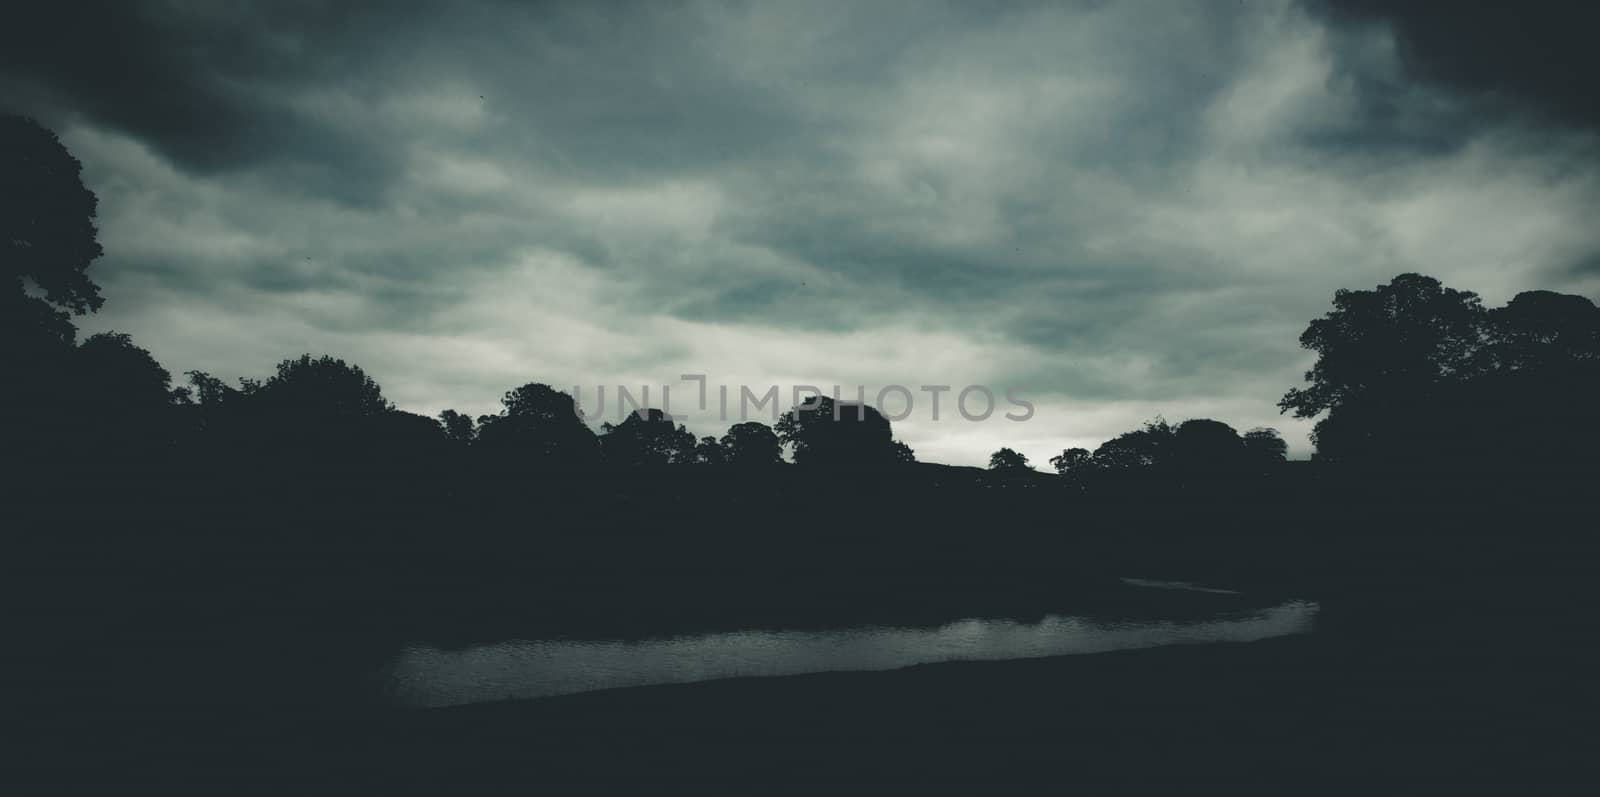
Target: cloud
{"x":1521,"y":56}
{"x":1124,"y":209}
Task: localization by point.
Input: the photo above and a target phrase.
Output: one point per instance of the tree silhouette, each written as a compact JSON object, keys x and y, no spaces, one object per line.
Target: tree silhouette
{"x":1202,"y":444}
{"x":1546,"y":349}
{"x":840,"y":434}
{"x":646,"y":439}
{"x":1264,"y":446}
{"x":1385,"y":357}
{"x":539,"y":428}
{"x":317,"y":413}
{"x":1136,"y":449}
{"x":1072,"y":461}
{"x":1008,"y":461}
{"x":47,"y":241}
{"x":214,"y":412}
{"x":322,"y":389}
{"x":458,"y":427}
{"x":709,"y":451}
{"x":115,"y":371}
{"x":751,"y":444}
{"x":209,"y":391}
{"x":46,"y":228}
{"x":1543,"y":329}
{"x":120,"y":397}
{"x":1403,"y":370}
{"x":901,"y":454}
{"x":401,"y":444}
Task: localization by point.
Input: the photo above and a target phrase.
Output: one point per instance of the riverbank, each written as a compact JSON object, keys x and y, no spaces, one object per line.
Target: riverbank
{"x":1139,"y":718}
{"x":1449,"y":660}
{"x":1294,"y":715}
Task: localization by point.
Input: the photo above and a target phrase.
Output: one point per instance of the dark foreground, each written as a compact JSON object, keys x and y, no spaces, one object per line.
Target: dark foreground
{"x":1448,"y":660}
{"x":1287,"y":716}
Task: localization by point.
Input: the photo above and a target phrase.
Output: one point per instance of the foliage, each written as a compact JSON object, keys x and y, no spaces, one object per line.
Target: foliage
{"x":46,"y":219}
{"x":1264,"y":445}
{"x":831,"y":433}
{"x":324,"y":388}
{"x":1008,"y":461}
{"x":751,"y":444}
{"x":1205,"y":444}
{"x":646,"y":439}
{"x":1072,"y":461}
{"x":1405,"y":337}
{"x":1404,"y":370}
{"x":1136,"y":449}
{"x":709,"y":451}
{"x":458,"y":427}
{"x":539,"y":427}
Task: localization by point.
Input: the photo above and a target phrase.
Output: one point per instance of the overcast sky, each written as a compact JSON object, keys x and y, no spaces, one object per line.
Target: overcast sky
{"x":1122,"y":209}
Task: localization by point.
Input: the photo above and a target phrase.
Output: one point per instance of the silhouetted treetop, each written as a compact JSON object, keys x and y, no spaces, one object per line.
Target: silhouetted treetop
{"x":408,"y":440}
{"x":1202,"y":444}
{"x":1008,"y":461}
{"x":1196,"y":446}
{"x":1402,"y":337}
{"x":117,"y":371}
{"x":1403,"y":370}
{"x":324,"y":387}
{"x":646,"y":439}
{"x":1542,"y":328}
{"x":710,"y":451}
{"x":538,"y":401}
{"x":751,"y":444}
{"x":46,"y":218}
{"x":458,"y":427}
{"x":1264,"y":445}
{"x":1136,"y":449}
{"x":214,"y":405}
{"x":840,"y":434}
{"x":539,"y":427}
{"x":1071,"y":461}
{"x":901,"y":454}
{"x":117,"y":397}
{"x":208,"y":389}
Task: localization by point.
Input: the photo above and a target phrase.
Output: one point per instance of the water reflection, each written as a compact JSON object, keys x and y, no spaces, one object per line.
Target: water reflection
{"x":427,"y":677}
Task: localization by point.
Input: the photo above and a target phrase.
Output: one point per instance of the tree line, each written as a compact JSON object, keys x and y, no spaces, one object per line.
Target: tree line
{"x":1410,"y":374}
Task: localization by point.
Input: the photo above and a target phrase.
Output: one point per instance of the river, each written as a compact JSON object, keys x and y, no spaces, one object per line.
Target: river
{"x":428,"y":677}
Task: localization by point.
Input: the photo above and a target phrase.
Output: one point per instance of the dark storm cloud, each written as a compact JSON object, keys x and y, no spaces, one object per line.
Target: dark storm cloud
{"x":1537,"y":55}
{"x":205,"y":83}
{"x":1128,"y":208}
{"x":596,"y":90}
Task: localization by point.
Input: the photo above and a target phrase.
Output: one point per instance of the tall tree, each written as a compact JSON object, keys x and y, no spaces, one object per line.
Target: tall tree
{"x":1543,"y":329}
{"x":1202,"y":444}
{"x":1399,"y":338}
{"x":1546,"y":347}
{"x":540,"y":427}
{"x":752,"y":444}
{"x":120,"y":397}
{"x":1139,"y":448}
{"x":840,"y":434}
{"x":1264,"y":446}
{"x":710,"y":451}
{"x":458,"y":427}
{"x":1388,"y":360}
{"x":47,"y":241}
{"x":47,"y":233}
{"x":1007,"y":460}
{"x":312,"y":413}
{"x":646,"y":439}
{"x":324,"y":388}
{"x":1072,"y":461}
